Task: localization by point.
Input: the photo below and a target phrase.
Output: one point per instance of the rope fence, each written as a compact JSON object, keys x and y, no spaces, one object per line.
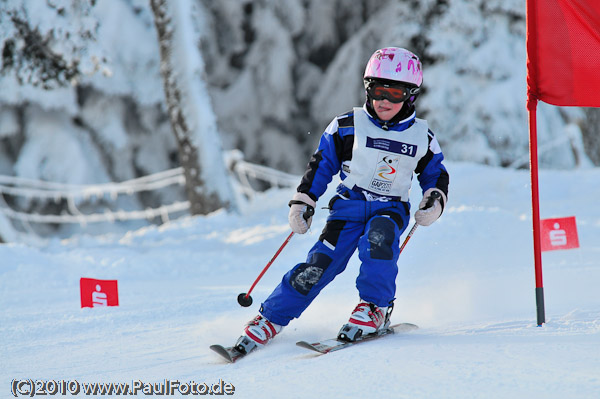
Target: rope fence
{"x":244,"y":172}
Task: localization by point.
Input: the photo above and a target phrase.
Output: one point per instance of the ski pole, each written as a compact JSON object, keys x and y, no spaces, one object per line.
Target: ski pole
{"x":244,"y":299}
{"x":410,"y":233}
{"x":434,"y":195}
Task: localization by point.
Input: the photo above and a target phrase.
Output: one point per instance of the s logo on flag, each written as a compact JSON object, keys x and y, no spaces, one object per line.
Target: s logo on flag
{"x":560,"y":233}
{"x":97,"y":293}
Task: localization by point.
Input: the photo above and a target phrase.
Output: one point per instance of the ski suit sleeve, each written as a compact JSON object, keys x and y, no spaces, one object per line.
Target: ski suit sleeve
{"x":324,"y":163}
{"x":430,"y":170}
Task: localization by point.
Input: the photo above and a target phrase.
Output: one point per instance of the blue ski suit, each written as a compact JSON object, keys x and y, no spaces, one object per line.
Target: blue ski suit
{"x":370,"y":211}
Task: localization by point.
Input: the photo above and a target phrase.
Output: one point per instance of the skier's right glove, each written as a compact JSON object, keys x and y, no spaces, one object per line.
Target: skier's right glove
{"x":302,"y":207}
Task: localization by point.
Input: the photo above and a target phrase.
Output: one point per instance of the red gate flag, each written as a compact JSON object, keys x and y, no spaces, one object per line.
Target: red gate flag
{"x":560,"y":233}
{"x":563,"y":52}
{"x":95,"y":293}
{"x":563,"y":68}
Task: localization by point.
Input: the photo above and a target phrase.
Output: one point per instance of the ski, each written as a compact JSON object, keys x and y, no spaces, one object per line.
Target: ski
{"x":242,"y":347}
{"x":230,"y":353}
{"x":334,"y":344}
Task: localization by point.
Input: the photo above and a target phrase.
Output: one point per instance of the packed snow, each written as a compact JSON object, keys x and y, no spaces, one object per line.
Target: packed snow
{"x":467,"y":281}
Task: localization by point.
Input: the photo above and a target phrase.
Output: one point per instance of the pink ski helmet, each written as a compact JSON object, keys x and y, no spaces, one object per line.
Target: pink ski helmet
{"x":395,"y":64}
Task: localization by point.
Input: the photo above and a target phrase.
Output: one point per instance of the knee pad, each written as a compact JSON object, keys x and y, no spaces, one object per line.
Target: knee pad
{"x":306,"y":275}
{"x":381,"y":237}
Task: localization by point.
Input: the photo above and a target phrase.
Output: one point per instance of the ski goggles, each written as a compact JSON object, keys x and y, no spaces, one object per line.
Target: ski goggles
{"x":393,"y":93}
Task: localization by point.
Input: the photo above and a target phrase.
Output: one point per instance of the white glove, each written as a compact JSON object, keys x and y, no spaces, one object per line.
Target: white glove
{"x":431,"y":207}
{"x":302,"y":207}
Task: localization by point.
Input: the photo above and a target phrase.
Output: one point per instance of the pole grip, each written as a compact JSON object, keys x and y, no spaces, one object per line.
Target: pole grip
{"x":308,"y":212}
{"x":431,"y":200}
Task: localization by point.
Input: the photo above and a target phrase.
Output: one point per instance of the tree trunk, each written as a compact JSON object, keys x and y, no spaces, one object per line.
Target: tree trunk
{"x":591,"y":136}
{"x":190,"y":110}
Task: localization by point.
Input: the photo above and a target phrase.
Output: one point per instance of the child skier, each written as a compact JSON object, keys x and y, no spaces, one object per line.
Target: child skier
{"x":376,"y":149}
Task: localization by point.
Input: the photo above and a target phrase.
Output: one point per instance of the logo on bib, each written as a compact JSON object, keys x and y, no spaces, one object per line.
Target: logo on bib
{"x":385,"y":173}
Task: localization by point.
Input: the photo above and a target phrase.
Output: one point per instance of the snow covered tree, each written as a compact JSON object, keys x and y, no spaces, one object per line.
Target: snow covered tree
{"x":289,"y":67}
{"x":189,"y":108}
{"x":592,"y":139}
{"x":81,"y":103}
{"x":87,"y":73}
{"x":46,"y":49}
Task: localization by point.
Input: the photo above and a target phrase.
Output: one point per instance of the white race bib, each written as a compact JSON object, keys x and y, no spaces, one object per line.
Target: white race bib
{"x":383,"y":161}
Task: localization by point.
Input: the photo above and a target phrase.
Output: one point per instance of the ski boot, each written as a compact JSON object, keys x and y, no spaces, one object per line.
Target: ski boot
{"x":258,"y":332}
{"x":367,"y":318}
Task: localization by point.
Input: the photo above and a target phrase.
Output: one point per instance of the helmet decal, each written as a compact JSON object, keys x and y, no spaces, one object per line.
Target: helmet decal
{"x":395,"y":64}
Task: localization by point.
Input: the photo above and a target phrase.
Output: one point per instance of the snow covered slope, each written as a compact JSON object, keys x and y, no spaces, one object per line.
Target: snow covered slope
{"x":467,"y":281}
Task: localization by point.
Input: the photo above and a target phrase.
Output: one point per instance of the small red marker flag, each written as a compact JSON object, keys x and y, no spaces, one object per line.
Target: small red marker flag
{"x":559,"y":233}
{"x":96,"y":293}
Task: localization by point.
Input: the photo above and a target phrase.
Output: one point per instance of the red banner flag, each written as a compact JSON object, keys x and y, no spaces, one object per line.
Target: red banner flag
{"x":559,"y":233}
{"x":563,"y":52}
{"x":95,"y":293}
{"x":563,"y":64}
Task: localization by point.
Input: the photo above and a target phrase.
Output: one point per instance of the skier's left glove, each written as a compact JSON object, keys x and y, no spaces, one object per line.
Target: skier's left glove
{"x":431,"y":207}
{"x":302,"y":207}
